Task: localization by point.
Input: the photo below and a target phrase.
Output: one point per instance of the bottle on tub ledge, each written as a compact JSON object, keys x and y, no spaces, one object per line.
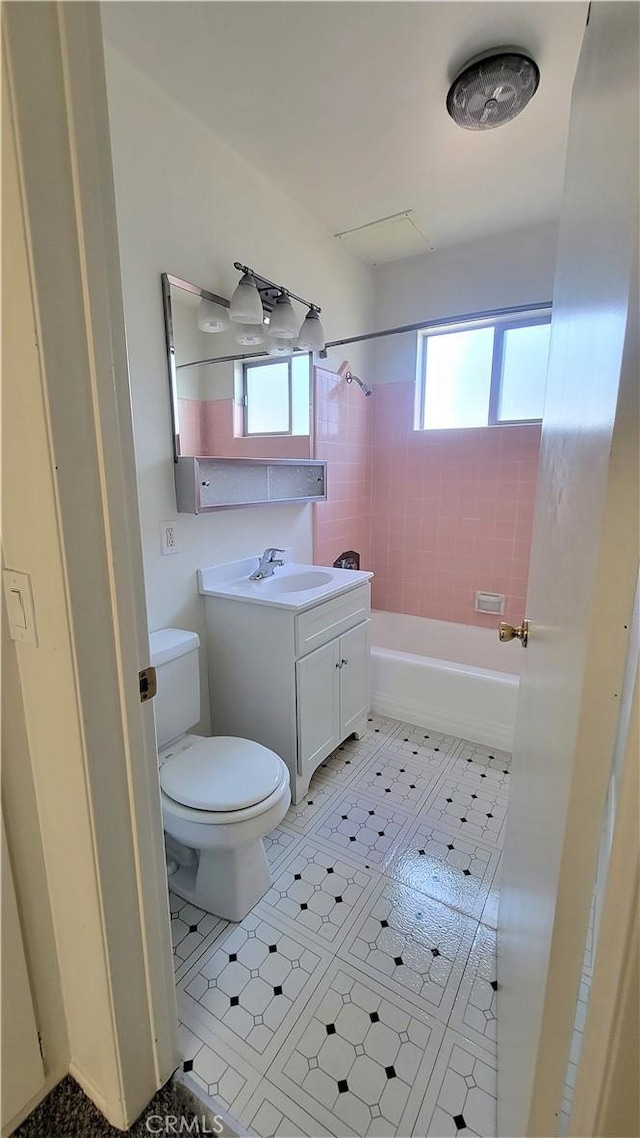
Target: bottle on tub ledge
{"x":347,"y":560}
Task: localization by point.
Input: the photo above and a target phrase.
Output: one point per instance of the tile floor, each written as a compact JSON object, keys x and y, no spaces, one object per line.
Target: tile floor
{"x":358,"y":997}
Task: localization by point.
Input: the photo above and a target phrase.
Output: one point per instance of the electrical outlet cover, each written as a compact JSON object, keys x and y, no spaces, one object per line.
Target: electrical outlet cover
{"x":168,"y":538}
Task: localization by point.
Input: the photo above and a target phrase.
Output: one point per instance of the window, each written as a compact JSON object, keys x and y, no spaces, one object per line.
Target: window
{"x":483,"y":374}
{"x":276,"y":396}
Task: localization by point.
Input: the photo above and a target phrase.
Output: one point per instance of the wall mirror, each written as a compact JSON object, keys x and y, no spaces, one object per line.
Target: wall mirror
{"x":255,"y":407}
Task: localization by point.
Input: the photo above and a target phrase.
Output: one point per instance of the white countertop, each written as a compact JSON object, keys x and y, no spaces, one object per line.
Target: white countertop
{"x":292,"y":586}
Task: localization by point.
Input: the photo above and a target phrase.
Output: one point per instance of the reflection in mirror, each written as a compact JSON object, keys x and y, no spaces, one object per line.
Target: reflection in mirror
{"x":258,"y":407}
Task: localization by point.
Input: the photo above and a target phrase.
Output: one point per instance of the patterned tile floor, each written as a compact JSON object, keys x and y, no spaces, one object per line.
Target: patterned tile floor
{"x":358,"y":997}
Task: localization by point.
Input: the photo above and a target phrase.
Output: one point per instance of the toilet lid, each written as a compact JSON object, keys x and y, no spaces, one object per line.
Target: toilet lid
{"x":222,"y":773}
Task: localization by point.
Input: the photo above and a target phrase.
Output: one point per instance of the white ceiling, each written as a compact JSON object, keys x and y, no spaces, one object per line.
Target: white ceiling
{"x":342,"y":104}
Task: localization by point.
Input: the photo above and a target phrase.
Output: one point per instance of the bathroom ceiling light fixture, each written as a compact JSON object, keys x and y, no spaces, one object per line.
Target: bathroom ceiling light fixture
{"x":311,"y":338}
{"x":212,"y":317}
{"x":492,"y":89}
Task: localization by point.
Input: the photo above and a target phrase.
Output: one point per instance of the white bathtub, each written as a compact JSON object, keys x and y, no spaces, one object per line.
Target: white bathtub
{"x":455,"y":678}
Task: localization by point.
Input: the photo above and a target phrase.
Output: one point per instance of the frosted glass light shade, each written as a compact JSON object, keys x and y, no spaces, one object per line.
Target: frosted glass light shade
{"x":246,"y":305}
{"x":284,"y":322}
{"x":212,"y":317}
{"x":280,"y":346}
{"x":250,"y":334}
{"x":311,"y":338}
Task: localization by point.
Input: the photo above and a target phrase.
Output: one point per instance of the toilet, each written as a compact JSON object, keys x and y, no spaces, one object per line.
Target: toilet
{"x":220,"y":795}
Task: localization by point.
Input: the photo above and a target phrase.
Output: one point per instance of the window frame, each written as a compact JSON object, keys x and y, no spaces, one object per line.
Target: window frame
{"x":269,"y":362}
{"x":500,"y":325}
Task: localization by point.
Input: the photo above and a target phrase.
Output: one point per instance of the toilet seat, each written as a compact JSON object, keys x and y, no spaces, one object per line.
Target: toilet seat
{"x":222,"y":776}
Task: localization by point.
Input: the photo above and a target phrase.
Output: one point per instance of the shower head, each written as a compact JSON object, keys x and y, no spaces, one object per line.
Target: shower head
{"x":350,"y":378}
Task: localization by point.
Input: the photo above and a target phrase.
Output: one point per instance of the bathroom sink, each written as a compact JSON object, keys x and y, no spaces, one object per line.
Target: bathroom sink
{"x":296,"y":582}
{"x":293,"y":586}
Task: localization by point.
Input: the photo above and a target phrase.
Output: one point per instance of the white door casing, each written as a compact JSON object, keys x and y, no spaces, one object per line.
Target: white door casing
{"x":98,"y":803}
{"x":22,"y":1070}
{"x":584,"y":561}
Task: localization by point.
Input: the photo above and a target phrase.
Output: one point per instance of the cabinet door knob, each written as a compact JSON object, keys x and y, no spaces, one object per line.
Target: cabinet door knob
{"x":339,"y":665}
{"x":343,"y":662}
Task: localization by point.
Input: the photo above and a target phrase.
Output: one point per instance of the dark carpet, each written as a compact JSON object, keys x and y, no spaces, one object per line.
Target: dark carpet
{"x":68,"y":1113}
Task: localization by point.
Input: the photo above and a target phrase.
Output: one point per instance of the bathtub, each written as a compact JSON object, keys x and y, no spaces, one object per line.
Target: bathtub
{"x":455,"y":678}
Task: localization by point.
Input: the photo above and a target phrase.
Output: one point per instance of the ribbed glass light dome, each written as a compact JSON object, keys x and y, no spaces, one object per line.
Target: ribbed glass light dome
{"x":283,"y":322}
{"x":246,"y":305}
{"x":311,"y":338}
{"x":280,"y":347}
{"x":248,"y":334}
{"x":212,"y":317}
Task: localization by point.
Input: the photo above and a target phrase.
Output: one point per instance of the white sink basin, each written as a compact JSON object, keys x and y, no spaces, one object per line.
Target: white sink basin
{"x":296,"y":582}
{"x":292,"y":586}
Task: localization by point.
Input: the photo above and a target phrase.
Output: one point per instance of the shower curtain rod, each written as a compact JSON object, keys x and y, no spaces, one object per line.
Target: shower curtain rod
{"x":424,"y":325}
{"x":421,"y":325}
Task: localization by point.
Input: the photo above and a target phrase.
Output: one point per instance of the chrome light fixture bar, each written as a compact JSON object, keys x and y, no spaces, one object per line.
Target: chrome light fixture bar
{"x":260,"y":310}
{"x":270,"y":291}
{"x":257,"y":294}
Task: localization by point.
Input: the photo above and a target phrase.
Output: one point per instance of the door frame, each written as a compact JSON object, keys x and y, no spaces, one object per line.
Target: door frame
{"x":129,"y":1049}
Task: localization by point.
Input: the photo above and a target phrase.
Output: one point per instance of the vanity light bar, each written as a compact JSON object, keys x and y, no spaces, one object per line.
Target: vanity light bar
{"x":263,"y":284}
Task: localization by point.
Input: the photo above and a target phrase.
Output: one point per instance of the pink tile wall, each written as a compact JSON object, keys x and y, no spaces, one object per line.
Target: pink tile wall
{"x":453,"y":513}
{"x":343,"y":426}
{"x":191,"y":426}
{"x":207,"y":428}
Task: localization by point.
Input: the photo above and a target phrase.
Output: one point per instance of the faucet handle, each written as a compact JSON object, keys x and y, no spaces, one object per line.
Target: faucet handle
{"x":270,"y":553}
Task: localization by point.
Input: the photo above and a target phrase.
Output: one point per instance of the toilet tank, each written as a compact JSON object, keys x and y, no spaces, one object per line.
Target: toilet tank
{"x":174,"y":655}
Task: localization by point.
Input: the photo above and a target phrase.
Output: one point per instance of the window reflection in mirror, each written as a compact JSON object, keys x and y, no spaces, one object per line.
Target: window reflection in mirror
{"x":254,"y":408}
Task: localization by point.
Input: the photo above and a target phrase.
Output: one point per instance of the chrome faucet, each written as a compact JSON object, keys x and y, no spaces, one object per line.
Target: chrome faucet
{"x":268,"y":562}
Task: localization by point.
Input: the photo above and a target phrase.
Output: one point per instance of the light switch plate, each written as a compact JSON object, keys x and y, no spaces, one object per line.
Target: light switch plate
{"x":20,"y":607}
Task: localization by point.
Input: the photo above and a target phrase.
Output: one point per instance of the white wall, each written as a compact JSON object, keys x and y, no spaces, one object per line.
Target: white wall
{"x":509,"y":269}
{"x":189,"y":205}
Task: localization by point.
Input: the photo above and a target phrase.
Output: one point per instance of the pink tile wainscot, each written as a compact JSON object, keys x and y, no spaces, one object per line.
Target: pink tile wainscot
{"x":214,"y":427}
{"x":453,"y":513}
{"x":343,"y":427}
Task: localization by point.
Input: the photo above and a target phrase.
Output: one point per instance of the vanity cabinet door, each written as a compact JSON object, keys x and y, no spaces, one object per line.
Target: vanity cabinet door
{"x":354,"y":678}
{"x":318,"y":705}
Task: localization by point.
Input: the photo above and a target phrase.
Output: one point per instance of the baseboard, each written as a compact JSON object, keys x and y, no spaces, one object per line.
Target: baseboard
{"x":91,"y":1091}
{"x":476,"y":730}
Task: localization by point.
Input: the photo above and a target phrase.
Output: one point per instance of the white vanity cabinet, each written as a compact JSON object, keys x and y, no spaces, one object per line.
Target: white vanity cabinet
{"x":295,"y":681}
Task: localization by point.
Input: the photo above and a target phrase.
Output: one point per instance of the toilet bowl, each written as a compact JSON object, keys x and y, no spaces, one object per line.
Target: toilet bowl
{"x":220,"y":796}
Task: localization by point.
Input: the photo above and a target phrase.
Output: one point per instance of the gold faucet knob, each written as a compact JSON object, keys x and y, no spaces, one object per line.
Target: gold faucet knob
{"x":519,"y":632}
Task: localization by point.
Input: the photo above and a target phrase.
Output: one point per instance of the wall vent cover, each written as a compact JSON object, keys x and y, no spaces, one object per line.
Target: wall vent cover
{"x":490,"y":602}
